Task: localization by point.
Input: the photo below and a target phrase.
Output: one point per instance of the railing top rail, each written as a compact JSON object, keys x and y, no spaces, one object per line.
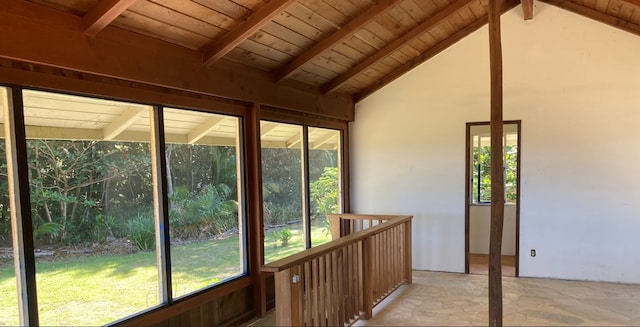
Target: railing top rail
{"x":309,"y":254}
{"x":355,"y":216}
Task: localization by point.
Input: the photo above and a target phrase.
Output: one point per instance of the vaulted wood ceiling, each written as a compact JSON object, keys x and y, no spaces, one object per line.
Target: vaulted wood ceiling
{"x":351,"y":47}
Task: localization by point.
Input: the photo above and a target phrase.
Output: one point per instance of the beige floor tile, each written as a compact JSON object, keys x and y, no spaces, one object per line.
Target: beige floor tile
{"x":450,"y":299}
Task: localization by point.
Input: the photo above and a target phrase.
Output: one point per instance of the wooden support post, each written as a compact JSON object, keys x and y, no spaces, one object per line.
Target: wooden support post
{"x":497,"y":178}
{"x":283,"y":298}
{"x":253,"y":197}
{"x":335,"y":222}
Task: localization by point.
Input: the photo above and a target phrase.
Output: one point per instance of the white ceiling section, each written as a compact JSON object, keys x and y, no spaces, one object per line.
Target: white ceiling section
{"x":62,"y":116}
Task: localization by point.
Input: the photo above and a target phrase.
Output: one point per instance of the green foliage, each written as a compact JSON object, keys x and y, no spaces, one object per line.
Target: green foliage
{"x":482,"y":173}
{"x":142,"y":232}
{"x":207,"y":213}
{"x":324,"y":192}
{"x":283,"y":236}
{"x":50,"y":229}
{"x":74,"y":184}
{"x":281,"y":185}
{"x":278,"y":214}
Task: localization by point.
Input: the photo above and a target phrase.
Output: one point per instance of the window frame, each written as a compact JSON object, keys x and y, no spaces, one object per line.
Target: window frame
{"x":18,"y":183}
{"x":305,"y":124}
{"x":470,"y":199}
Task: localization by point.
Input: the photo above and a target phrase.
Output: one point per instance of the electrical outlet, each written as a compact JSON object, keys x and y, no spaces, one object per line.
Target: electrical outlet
{"x":533,"y":252}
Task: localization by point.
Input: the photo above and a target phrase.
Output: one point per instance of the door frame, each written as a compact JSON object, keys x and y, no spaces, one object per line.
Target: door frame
{"x":467,"y":188}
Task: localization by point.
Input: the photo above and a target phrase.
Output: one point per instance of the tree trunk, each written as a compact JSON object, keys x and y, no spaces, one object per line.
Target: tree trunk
{"x":497,"y":177}
{"x":169,"y":177}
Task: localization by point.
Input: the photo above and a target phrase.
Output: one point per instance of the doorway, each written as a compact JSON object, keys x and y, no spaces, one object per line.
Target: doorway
{"x":478,"y":198}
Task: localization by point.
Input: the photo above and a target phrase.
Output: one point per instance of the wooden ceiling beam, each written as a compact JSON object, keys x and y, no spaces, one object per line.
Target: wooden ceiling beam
{"x":335,"y":38}
{"x":597,"y":15}
{"x":103,"y":14}
{"x":120,"y":124}
{"x":322,"y":140}
{"x":423,"y":27}
{"x":56,"y":39}
{"x":218,"y":49}
{"x":430,"y":53}
{"x":527,"y":9}
{"x":294,"y":140}
{"x":267,"y":128}
{"x":203,"y":129}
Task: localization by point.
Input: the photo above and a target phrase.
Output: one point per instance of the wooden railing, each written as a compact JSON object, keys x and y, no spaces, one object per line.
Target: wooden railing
{"x":348,"y":223}
{"x":336,"y":283}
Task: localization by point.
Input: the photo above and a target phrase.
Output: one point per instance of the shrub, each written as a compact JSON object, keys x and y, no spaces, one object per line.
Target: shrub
{"x":206,"y":213}
{"x":283,"y":235}
{"x":142,"y":232}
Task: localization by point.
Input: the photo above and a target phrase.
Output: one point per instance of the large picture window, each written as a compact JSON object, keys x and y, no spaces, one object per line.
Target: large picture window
{"x":282,"y":189}
{"x":301,"y":182}
{"x":207,"y":238}
{"x":324,"y":181}
{"x":92,"y":208}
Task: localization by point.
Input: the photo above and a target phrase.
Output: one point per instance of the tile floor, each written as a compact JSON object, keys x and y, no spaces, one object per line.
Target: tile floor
{"x":441,"y":299}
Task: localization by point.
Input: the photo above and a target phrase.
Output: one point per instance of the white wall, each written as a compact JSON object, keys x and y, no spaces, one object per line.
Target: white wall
{"x":480,"y":229}
{"x":575,"y":85}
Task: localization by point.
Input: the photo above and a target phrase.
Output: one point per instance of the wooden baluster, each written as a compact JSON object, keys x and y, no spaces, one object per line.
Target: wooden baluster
{"x":322,"y":266}
{"x":348,"y":304}
{"x":315,"y":288}
{"x":369,"y":275}
{"x":398,"y":264}
{"x":408,"y":265}
{"x":359,"y":276}
{"x":384,"y":248}
{"x":353,"y":297}
{"x":376,"y":267}
{"x":334,"y":288}
{"x":307,"y":293}
{"x":340,"y":298}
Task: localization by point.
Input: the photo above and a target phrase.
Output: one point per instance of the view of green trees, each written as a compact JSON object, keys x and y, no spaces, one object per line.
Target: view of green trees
{"x":481,"y":179}
{"x":92,"y":204}
{"x":83,"y":192}
{"x":280,"y":185}
{"x":74,"y":184}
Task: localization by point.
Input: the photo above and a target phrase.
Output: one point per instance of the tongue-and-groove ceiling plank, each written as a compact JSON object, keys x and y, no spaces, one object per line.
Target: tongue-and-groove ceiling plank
{"x":344,"y":46}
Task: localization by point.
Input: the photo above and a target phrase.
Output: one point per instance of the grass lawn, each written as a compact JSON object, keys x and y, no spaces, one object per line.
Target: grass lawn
{"x":98,"y":289}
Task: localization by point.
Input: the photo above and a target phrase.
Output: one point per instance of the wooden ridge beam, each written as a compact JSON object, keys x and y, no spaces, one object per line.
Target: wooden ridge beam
{"x":335,"y":38}
{"x":51,"y":38}
{"x":218,"y":49}
{"x":527,"y":9}
{"x":597,"y":15}
{"x":430,"y":53}
{"x":395,"y":45}
{"x":104,"y":14}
